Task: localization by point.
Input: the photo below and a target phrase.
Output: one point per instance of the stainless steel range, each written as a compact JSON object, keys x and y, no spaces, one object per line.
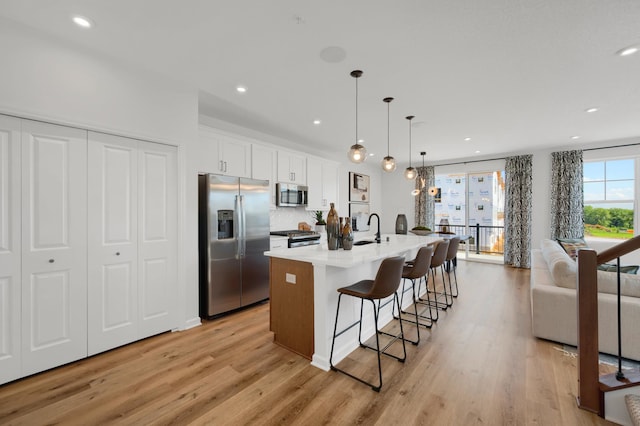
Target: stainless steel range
{"x":299,"y":238}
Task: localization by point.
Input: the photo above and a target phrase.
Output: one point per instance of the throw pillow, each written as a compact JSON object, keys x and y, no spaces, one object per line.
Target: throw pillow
{"x":572,"y":245}
{"x":630,"y":269}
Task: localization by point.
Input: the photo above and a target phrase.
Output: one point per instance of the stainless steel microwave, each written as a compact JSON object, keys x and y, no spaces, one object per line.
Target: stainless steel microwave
{"x":290,"y":195}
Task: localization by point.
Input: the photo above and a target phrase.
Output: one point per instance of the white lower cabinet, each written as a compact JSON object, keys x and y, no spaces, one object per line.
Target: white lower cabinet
{"x":88,"y":243}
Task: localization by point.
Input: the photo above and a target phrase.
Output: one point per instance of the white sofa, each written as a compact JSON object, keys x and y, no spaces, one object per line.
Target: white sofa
{"x":554,"y":302}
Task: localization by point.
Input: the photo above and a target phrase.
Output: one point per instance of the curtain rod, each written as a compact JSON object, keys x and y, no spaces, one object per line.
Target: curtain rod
{"x":504,"y":158}
{"x":612,"y":146}
{"x":469,"y":162}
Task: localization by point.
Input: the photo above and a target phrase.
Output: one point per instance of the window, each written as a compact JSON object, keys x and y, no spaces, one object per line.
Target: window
{"x":609,"y":198}
{"x":473,"y":204}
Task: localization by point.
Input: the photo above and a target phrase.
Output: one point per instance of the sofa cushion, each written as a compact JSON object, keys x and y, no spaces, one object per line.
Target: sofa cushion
{"x":572,"y":245}
{"x":629,"y":284}
{"x":561,"y":266}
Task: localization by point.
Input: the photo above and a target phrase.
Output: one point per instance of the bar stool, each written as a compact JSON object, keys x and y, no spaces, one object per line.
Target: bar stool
{"x":437,"y":261}
{"x":417,"y":269}
{"x":451,"y":263}
{"x":384,"y":285}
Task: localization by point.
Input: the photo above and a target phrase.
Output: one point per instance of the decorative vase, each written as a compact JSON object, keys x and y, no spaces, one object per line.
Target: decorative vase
{"x":347,"y":235}
{"x":401,"y":224}
{"x":333,"y":228}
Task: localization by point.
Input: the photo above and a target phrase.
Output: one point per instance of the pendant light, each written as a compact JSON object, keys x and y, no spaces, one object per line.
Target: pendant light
{"x":357,"y":153}
{"x":388,"y":162}
{"x":423,"y":181}
{"x":410,"y":173}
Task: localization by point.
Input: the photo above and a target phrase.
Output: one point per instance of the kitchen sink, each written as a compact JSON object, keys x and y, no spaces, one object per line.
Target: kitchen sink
{"x":363,"y":242}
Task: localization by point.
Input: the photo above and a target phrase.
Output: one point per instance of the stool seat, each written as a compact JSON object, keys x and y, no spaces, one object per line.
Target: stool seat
{"x":363,"y":289}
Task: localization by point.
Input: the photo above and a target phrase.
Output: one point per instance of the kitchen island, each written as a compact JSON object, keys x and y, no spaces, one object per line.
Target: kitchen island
{"x":303,"y":284}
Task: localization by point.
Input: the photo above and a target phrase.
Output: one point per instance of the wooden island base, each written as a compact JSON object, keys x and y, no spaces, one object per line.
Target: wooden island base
{"x":291,"y":313}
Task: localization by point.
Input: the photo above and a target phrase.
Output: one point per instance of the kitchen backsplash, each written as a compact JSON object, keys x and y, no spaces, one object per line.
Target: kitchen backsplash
{"x":285,"y":218}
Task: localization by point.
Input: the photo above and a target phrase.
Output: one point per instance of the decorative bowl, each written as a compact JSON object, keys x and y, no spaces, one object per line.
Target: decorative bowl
{"x":420,"y":232}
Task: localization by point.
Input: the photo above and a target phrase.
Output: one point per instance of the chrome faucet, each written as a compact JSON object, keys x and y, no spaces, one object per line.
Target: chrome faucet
{"x":369,"y":223}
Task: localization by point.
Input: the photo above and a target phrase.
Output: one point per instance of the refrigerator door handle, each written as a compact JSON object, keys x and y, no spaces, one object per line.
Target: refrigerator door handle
{"x":242,"y":236}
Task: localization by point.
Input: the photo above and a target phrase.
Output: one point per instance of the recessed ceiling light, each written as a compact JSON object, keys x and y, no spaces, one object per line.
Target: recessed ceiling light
{"x":628,"y":51}
{"x":591,"y":110}
{"x":575,"y":137}
{"x":241,"y":89}
{"x":316,"y":122}
{"x":467,"y":139}
{"x":371,"y":154}
{"x":360,"y":141}
{"x":477,"y":152}
{"x":81,"y":21}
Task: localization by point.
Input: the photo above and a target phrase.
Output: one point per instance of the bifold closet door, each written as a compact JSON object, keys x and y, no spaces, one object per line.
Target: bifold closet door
{"x":54,"y":245}
{"x":157,"y":238}
{"x":10,"y":251}
{"x":113,"y":242}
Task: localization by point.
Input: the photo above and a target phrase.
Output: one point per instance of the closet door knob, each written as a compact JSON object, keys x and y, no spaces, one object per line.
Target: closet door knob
{"x":51,"y":260}
{"x":117,"y":253}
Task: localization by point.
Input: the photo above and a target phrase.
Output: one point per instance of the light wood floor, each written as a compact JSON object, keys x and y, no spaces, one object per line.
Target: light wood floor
{"x":478,"y":365}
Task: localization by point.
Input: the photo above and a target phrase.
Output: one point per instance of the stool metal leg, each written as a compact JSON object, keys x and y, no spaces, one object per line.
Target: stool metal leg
{"x":379,"y":351}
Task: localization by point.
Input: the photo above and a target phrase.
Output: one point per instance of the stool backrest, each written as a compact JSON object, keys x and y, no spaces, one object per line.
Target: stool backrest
{"x":421,"y":263}
{"x":440,"y":254}
{"x":453,"y":248}
{"x":388,"y":278}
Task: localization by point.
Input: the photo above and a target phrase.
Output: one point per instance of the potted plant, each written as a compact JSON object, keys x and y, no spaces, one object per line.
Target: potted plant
{"x":320,"y":223}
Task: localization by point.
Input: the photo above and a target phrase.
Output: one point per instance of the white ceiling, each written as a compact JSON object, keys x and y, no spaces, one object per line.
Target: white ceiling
{"x":513,"y":75}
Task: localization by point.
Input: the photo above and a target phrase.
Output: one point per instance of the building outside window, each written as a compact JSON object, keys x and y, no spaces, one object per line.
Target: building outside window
{"x":473,"y":204}
{"x":609,"y":198}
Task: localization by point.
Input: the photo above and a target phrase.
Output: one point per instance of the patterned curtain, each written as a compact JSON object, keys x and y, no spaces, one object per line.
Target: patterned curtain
{"x":566,"y":195}
{"x":425,"y":204}
{"x":517,"y":211}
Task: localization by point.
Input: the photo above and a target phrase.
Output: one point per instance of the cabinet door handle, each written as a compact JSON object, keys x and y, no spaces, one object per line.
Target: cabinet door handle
{"x":225,"y":166}
{"x":220,"y":166}
{"x":51,"y":260}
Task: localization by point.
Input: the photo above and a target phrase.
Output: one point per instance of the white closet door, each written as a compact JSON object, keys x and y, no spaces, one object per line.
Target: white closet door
{"x":157,"y":230}
{"x":10,"y":251}
{"x":113,"y":247}
{"x":54,"y":245}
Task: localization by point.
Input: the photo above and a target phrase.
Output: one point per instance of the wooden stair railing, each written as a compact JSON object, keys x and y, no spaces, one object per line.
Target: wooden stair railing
{"x":590,"y":386}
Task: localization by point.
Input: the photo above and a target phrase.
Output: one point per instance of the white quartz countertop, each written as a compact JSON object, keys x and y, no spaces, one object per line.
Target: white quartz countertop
{"x":321,"y":255}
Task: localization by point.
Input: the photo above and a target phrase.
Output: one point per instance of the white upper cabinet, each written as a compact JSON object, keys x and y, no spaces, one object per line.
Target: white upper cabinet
{"x":223,"y":154}
{"x":264,"y":167}
{"x":54,"y":245}
{"x":322,"y":180}
{"x":10,"y":251}
{"x":292,"y":167}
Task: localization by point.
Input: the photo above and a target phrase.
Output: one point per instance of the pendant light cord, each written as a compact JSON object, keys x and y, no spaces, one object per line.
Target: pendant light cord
{"x":388,"y":107}
{"x":357,"y":143}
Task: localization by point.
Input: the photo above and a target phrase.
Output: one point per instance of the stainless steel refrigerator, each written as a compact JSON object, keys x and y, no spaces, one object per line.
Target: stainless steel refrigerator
{"x":233,"y":235}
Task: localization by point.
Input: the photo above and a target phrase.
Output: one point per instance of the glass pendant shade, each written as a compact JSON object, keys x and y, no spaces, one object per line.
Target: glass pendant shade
{"x":357,"y":153}
{"x":410,"y":173}
{"x":388,"y":164}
